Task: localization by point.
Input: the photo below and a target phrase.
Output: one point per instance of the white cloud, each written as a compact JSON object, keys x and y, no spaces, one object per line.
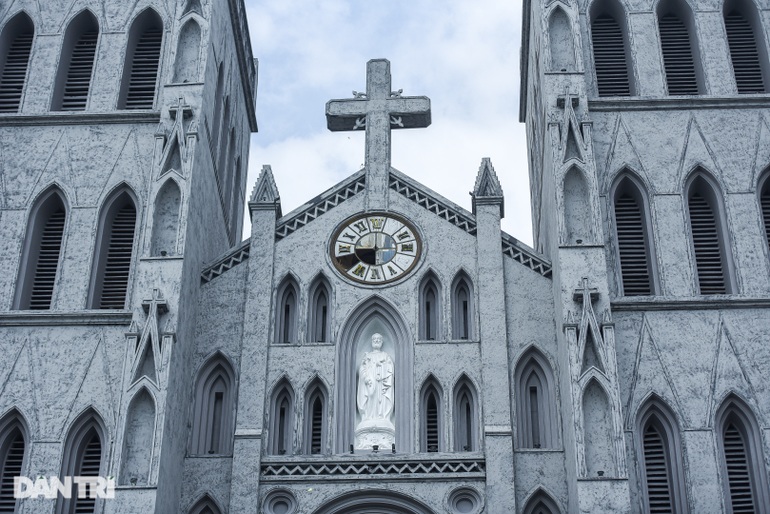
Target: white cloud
{"x":462,"y":55}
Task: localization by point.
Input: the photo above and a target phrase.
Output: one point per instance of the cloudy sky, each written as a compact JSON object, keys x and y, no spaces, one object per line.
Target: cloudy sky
{"x":463,"y":55}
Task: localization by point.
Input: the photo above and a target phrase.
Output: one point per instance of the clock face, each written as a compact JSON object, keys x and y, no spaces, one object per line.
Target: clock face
{"x":375,"y":248}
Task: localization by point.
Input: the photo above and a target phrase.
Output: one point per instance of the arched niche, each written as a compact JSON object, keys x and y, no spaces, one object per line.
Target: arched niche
{"x":374,"y":316}
{"x":562,"y":41}
{"x":577,"y":208}
{"x":165,"y":223}
{"x":138,"y":440}
{"x":186,"y":67}
{"x":597,"y":432}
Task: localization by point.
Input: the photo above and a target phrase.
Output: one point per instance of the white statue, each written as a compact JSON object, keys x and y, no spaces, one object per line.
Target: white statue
{"x":375,"y":398}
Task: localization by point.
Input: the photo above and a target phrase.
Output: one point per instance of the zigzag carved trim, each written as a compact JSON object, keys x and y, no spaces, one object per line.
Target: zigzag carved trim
{"x":319,"y":207}
{"x":518,"y":252}
{"x":234,"y":257}
{"x":450,"y":214}
{"x":331,"y":469}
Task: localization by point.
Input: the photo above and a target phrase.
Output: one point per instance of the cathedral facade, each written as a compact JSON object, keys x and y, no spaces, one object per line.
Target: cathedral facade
{"x":381,"y":349}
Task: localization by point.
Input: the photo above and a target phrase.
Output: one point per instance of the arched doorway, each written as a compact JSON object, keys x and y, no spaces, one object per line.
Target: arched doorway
{"x":374,"y":502}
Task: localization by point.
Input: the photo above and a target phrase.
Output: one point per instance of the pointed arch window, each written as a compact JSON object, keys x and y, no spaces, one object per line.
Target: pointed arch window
{"x":286,"y":315}
{"x":140,"y":71}
{"x":465,"y":417}
{"x":188,"y":53}
{"x":709,"y":237}
{"x":315,"y":419}
{"x":205,"y":506}
{"x":535,"y":402}
{"x":430,"y":308}
{"x":12,"y":451}
{"x":165,"y":221}
{"x":660,"y":458}
{"x":747,"y":47}
{"x":42,"y":251}
{"x":744,"y":477}
{"x":632,"y":230}
{"x":73,"y":79}
{"x":609,"y":38}
{"x":764,"y":205}
{"x":462,"y":308}
{"x":83,"y":456}
{"x":431,"y":419}
{"x":541,"y":503}
{"x":213,"y":423}
{"x":680,"y":48}
{"x":282,"y":420}
{"x":114,"y":253}
{"x":319,"y":317}
{"x":15,"y":50}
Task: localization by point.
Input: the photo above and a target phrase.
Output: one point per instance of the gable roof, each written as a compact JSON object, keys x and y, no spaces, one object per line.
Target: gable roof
{"x":400,"y":183}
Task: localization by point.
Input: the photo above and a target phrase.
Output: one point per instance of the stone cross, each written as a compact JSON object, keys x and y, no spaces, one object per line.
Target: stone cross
{"x":378,"y":111}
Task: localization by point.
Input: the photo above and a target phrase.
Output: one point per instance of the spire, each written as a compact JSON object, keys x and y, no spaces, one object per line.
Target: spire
{"x":265,"y":194}
{"x":487,"y":188}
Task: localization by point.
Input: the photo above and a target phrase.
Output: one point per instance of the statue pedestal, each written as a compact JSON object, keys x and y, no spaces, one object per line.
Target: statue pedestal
{"x":380,"y":432}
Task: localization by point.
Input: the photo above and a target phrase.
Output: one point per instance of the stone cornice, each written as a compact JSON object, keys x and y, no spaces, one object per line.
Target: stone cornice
{"x":701,"y":303}
{"x":680,"y":103}
{"x":80,"y":118}
{"x":64,"y":318}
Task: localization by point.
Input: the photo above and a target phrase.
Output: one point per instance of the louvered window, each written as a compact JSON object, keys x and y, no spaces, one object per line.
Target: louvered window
{"x":41,"y":259}
{"x":88,"y":464}
{"x":707,"y":240}
{"x":430,"y":423}
{"x":142,"y":59}
{"x":316,"y":425}
{"x":610,"y":58}
{"x":738,"y":470}
{"x":657,"y":469}
{"x":76,"y":67}
{"x":764,"y":200}
{"x":632,"y":241}
{"x":16,"y":42}
{"x":114,"y":257}
{"x":744,"y":53}
{"x":11,"y":460}
{"x":678,"y":60}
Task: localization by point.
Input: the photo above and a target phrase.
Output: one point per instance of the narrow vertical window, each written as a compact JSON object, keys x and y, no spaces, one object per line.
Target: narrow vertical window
{"x":140,"y":71}
{"x":40,"y":265}
{"x":73,"y":80}
{"x":315,"y":419}
{"x":462,"y":308}
{"x":708,"y":238}
{"x":282,"y":423}
{"x":286,"y":322}
{"x":535,"y":402}
{"x":12,"y":448}
{"x":212,"y":427}
{"x":677,"y":42}
{"x":16,"y":48}
{"x":319,"y":311}
{"x":83,"y":456}
{"x":114,"y":253}
{"x":633,"y":240}
{"x":611,"y":55}
{"x":743,"y":467}
{"x":430,"y":417}
{"x":561,"y":41}
{"x":430,"y":310}
{"x":764,"y":204}
{"x":465,"y":431}
{"x":660,"y":458}
{"x":746,"y":54}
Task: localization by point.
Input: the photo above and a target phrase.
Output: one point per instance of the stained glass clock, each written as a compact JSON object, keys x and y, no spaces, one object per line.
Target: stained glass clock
{"x":375,"y":248}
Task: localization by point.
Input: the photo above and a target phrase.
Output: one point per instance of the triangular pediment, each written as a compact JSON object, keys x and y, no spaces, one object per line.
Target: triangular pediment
{"x":696,"y":152}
